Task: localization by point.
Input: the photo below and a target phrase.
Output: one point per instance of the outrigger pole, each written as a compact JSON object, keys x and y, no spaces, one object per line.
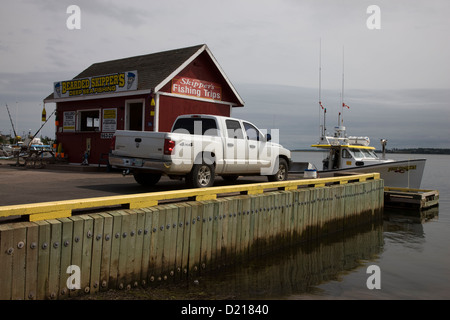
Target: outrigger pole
{"x":12,"y":124}
{"x":41,"y":126}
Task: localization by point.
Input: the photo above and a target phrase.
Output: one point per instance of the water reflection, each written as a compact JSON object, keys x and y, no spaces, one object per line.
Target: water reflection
{"x":329,"y":267}
{"x":295,"y":270}
{"x":407,"y":227}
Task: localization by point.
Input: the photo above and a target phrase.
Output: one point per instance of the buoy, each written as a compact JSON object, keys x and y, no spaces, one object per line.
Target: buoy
{"x":44,"y":115}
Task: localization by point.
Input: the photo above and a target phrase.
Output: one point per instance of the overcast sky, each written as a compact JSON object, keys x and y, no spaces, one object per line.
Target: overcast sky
{"x":397,"y":78}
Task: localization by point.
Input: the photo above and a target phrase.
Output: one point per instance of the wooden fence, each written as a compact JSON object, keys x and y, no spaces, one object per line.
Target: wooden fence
{"x":125,"y":248}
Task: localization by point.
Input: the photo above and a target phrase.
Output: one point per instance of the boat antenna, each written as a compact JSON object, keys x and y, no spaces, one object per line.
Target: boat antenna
{"x":322,"y":127}
{"x":342,"y":92}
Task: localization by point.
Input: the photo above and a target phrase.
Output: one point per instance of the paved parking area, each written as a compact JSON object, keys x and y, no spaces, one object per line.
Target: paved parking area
{"x":22,"y":186}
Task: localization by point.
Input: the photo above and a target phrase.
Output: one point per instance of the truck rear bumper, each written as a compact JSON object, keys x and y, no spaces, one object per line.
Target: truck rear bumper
{"x":149,"y":165}
{"x":139,"y":163}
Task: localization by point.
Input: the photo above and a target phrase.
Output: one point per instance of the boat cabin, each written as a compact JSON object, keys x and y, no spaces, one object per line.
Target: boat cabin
{"x":347,"y":152}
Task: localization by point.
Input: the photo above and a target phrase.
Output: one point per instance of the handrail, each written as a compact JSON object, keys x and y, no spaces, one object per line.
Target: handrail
{"x":64,"y":208}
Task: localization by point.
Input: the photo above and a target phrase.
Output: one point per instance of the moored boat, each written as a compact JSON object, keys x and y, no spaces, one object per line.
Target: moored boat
{"x":354,"y":154}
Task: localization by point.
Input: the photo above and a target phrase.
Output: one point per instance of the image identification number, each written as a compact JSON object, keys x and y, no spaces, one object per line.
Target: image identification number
{"x":246,"y":309}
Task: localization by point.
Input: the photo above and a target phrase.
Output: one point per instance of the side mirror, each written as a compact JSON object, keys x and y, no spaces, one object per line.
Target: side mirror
{"x":268,"y":137}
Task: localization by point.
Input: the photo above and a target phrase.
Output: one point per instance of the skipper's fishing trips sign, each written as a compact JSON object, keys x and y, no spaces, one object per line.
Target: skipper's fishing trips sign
{"x":116,"y":82}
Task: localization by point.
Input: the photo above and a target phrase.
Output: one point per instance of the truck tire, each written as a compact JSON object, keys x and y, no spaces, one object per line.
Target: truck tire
{"x":201,"y":176}
{"x":146,"y":179}
{"x":282,"y":172}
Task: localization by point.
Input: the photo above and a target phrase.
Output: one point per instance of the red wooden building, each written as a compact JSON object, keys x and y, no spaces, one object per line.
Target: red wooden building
{"x":144,"y":93}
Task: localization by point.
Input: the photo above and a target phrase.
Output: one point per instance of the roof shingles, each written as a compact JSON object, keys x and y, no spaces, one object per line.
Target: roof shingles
{"x":152,"y":68}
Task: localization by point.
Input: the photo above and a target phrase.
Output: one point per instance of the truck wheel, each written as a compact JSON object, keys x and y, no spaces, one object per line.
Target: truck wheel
{"x":282,"y":173}
{"x":146,"y":179}
{"x":201,"y":176}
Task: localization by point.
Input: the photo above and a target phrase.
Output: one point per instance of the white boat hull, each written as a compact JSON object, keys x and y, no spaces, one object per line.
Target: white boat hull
{"x":402,"y":173}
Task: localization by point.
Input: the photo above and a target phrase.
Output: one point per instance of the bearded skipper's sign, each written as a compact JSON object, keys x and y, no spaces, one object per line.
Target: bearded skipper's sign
{"x":116,"y":82}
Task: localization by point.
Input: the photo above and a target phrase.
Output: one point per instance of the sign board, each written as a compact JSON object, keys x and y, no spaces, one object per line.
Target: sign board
{"x":69,"y":121}
{"x":197,"y":88}
{"x":116,"y":82}
{"x":109,"y":120}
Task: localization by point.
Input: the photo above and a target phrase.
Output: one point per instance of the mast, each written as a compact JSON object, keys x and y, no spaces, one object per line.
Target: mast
{"x":322,"y":127}
{"x":343,"y":104}
{"x":12,"y":124}
{"x":342,"y":92}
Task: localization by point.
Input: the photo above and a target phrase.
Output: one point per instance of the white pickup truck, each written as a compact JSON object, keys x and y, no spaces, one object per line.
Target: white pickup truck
{"x":198,"y":148}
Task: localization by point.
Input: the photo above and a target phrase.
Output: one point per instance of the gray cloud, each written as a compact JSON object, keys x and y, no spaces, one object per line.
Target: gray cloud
{"x":407,"y":118}
{"x":398,"y":75}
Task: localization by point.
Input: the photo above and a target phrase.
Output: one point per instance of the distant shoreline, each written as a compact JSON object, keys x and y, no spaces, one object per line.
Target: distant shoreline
{"x":396,"y":150}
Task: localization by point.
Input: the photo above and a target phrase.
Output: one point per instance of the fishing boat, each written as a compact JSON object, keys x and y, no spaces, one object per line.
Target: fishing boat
{"x":347,"y":154}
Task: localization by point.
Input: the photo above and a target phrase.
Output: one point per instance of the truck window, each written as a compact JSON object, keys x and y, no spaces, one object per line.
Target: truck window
{"x":197,"y":126}
{"x":234,"y":129}
{"x":252,"y":132}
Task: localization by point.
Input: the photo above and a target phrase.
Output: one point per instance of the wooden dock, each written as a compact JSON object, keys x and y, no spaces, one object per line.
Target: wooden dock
{"x":164,"y":242}
{"x":406,"y":198}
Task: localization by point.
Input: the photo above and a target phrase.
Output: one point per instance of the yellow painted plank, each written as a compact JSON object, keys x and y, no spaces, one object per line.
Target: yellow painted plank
{"x":143,"y":204}
{"x":206,"y":197}
{"x":50,"y":215}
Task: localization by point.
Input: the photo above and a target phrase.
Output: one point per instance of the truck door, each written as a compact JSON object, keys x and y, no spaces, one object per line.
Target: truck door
{"x":235,"y":148}
{"x":258,"y":154}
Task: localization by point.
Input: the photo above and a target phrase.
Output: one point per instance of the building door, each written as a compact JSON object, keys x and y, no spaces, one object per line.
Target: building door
{"x":135,"y":116}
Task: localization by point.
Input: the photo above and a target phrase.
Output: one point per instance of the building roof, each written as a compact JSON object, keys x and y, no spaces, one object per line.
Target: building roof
{"x":154,"y":69}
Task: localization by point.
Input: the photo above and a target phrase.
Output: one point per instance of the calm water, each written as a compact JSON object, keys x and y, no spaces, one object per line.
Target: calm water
{"x":412,"y":254}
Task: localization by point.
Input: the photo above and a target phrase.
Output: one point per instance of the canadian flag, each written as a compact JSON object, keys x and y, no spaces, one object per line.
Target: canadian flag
{"x":344,"y":105}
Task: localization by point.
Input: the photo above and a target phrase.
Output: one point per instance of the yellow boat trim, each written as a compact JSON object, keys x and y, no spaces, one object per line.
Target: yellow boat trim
{"x":342,"y":146}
